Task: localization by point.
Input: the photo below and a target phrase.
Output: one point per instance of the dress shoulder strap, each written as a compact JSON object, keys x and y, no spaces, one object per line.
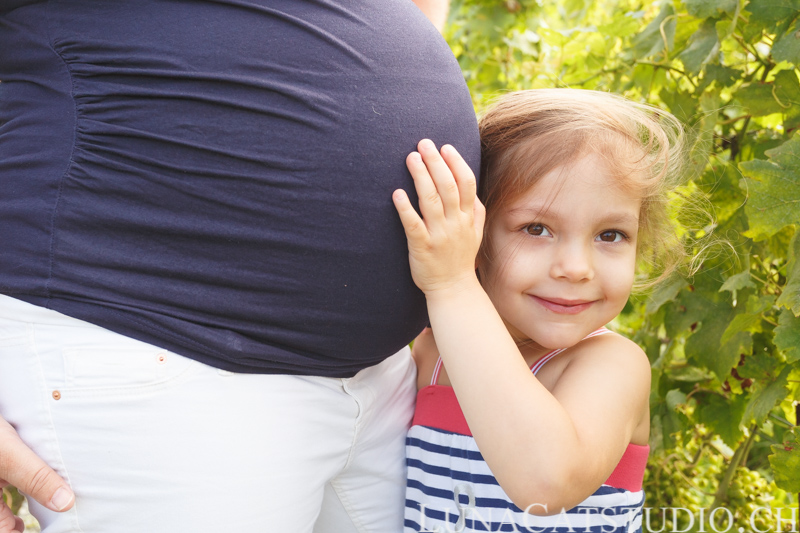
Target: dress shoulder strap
{"x":535,"y":367}
{"x":436,"y":371}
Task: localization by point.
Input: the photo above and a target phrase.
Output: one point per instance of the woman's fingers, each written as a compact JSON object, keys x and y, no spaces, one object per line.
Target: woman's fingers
{"x":8,"y":522}
{"x":26,"y":471}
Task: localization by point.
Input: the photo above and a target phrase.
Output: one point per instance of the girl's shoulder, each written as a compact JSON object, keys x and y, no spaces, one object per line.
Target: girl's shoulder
{"x":610,"y":357}
{"x":611,"y":350}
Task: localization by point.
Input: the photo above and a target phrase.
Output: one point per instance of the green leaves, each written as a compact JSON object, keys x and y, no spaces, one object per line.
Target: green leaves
{"x":766,"y":397}
{"x":790,"y":297}
{"x":724,"y":343}
{"x":785,"y":462}
{"x":767,"y":14}
{"x":787,"y":336}
{"x":710,"y":8}
{"x":658,"y":36}
{"x":774,"y":188}
{"x":787,"y":48}
{"x":703,"y":45}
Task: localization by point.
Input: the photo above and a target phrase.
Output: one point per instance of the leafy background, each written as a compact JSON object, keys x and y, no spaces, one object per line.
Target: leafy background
{"x":724,"y":343}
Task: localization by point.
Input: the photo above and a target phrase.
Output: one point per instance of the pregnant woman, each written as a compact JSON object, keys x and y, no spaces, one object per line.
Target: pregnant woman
{"x":205,"y":289}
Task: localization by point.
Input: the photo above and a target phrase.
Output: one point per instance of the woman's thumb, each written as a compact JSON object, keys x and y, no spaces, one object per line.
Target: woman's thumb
{"x":22,"y":468}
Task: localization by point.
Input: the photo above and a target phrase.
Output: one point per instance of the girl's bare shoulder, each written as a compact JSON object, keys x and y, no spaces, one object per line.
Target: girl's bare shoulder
{"x":610,"y":347}
{"x":610,"y":357}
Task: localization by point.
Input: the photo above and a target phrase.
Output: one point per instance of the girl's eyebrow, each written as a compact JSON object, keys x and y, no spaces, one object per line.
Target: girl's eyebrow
{"x":621,"y":217}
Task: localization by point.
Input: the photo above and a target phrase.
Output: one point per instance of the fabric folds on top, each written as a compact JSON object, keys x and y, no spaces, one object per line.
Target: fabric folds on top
{"x":215,"y":177}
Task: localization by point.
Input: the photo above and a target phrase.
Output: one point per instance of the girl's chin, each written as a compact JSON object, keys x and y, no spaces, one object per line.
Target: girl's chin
{"x":555,"y":339}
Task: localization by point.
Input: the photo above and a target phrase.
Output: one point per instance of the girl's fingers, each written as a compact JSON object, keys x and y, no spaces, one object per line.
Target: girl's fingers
{"x":442,"y":176}
{"x":412,"y":223}
{"x":479,"y":217}
{"x":464,"y":178}
{"x":430,"y":203}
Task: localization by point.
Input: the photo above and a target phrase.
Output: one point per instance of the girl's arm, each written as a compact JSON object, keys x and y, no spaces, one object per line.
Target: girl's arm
{"x":548,"y":450}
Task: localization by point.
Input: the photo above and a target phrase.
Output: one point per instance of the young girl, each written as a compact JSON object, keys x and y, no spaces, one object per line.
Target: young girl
{"x":555,"y":423}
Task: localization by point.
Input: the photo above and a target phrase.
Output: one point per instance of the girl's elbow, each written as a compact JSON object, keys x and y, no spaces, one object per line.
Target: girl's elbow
{"x":547,"y":498}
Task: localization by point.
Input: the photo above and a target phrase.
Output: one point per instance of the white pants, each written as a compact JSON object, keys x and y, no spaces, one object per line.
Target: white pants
{"x":154,"y":442}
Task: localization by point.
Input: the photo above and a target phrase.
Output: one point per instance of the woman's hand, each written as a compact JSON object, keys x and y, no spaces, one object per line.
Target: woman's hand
{"x":26,"y":471}
{"x":8,"y":522}
{"x":444,"y":241}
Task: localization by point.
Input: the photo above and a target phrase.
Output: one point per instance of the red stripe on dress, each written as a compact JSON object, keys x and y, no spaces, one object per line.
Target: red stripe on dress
{"x":437,"y":407}
{"x":629,"y":472}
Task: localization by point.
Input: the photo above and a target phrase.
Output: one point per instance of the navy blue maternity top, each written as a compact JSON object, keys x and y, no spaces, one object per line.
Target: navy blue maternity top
{"x":215,"y":176}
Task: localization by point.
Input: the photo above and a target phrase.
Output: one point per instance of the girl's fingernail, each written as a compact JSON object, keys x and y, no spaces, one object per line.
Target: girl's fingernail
{"x":449,"y":149}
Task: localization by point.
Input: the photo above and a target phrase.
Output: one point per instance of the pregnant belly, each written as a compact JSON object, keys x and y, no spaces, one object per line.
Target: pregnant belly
{"x":224,"y":170}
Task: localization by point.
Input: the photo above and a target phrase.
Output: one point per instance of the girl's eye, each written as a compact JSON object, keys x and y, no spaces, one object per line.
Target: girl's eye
{"x":537,"y":230}
{"x":611,"y":236}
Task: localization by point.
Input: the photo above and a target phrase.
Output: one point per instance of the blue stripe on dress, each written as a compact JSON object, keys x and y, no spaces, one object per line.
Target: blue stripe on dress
{"x":460,"y":475}
{"x":443,"y":450}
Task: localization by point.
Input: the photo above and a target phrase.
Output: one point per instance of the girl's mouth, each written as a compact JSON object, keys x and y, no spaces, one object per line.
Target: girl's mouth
{"x":563,"y":307}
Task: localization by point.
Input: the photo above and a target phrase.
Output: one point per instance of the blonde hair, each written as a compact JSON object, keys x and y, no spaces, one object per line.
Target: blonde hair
{"x":527,"y":134}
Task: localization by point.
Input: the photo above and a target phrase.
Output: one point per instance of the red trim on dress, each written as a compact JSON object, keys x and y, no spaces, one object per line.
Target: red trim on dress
{"x":437,"y":407}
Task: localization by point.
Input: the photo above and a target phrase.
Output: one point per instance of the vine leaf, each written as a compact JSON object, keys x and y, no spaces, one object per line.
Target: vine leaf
{"x":749,"y":320}
{"x":768,"y":13}
{"x":665,"y":292}
{"x":790,"y":297}
{"x":737,"y":282}
{"x":709,"y":8}
{"x":787,"y":48}
{"x":782,"y":95}
{"x":724,"y":76}
{"x":723,"y":417}
{"x":774,"y":187}
{"x":703,"y":45}
{"x":651,"y":42}
{"x":787,"y":336}
{"x":766,"y":397}
{"x":785,"y":462}
{"x":705,"y":348}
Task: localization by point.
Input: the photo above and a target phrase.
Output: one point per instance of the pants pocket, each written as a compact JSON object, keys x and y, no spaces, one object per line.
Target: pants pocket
{"x":120,"y":368}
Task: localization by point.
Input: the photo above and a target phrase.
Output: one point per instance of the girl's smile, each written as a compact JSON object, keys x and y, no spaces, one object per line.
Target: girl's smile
{"x":562,"y":306}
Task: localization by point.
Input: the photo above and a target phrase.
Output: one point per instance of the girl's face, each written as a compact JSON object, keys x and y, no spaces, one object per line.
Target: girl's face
{"x":563,"y":256}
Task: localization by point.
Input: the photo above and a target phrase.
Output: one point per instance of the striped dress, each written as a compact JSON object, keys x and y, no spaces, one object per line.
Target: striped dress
{"x":451,"y":489}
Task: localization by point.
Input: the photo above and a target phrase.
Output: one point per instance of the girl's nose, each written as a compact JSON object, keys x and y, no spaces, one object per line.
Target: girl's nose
{"x":572,"y":262}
